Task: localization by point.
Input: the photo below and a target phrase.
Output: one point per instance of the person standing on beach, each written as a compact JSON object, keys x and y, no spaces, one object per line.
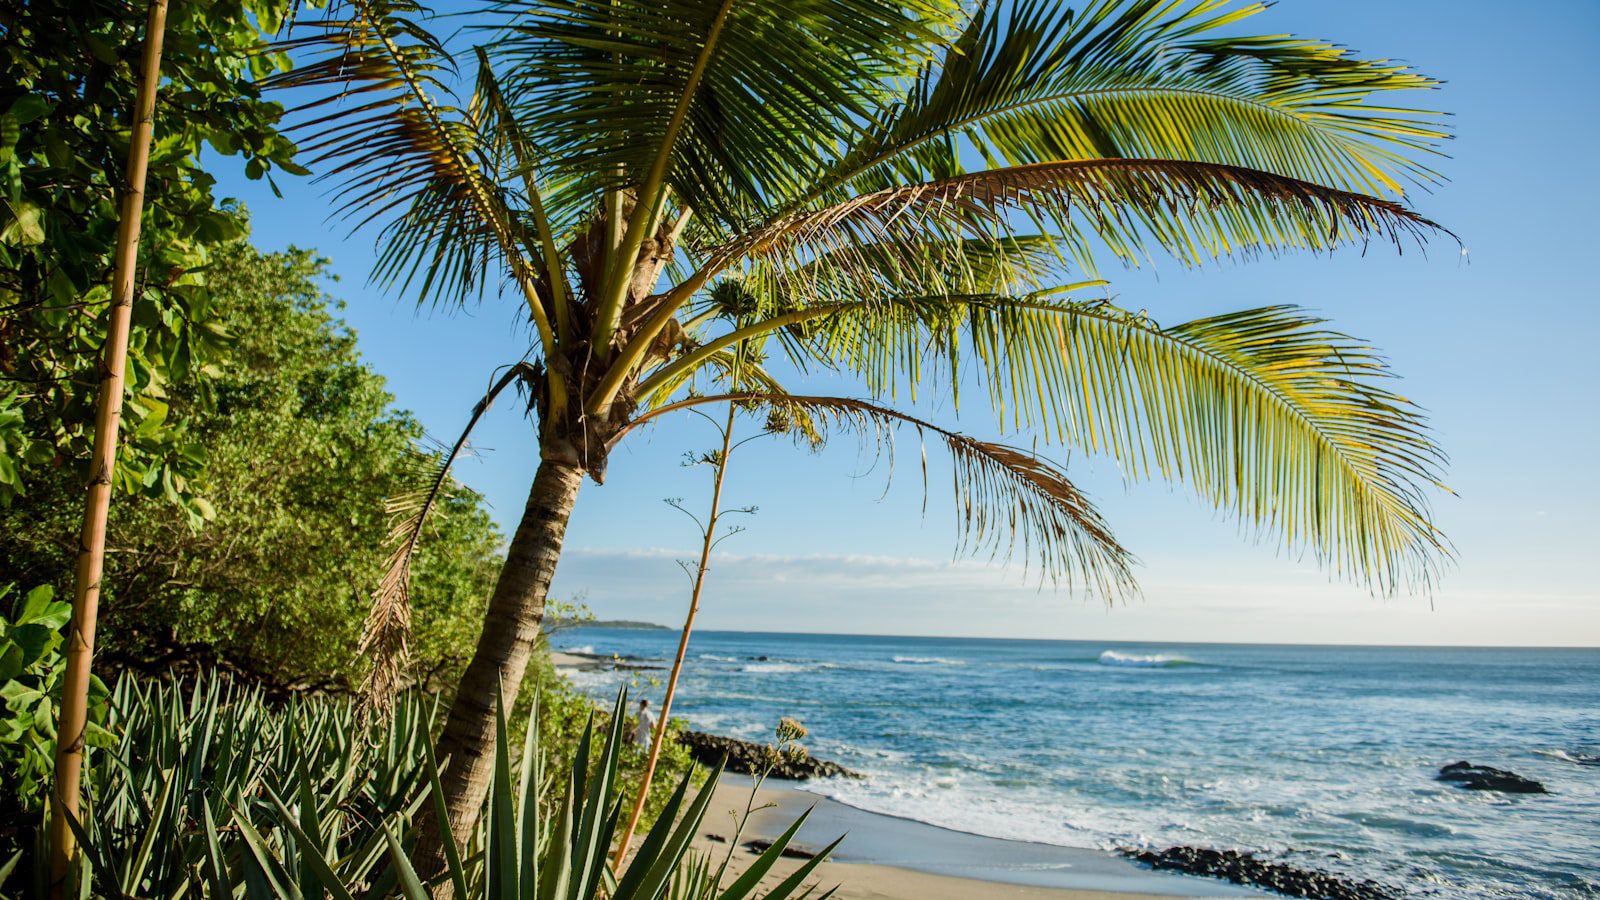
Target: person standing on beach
{"x":646,"y":725}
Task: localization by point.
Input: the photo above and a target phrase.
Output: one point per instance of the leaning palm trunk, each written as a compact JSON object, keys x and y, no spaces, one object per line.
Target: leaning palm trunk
{"x":73,"y":718}
{"x":516,"y":611}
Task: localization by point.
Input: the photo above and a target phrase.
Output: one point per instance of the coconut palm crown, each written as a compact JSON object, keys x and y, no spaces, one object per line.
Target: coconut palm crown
{"x":913,"y":194}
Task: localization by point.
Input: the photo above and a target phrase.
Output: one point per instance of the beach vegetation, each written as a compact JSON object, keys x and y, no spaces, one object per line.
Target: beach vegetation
{"x":296,"y":446}
{"x":918,"y":197}
{"x":208,"y":788}
{"x":30,"y":687}
{"x":300,"y":448}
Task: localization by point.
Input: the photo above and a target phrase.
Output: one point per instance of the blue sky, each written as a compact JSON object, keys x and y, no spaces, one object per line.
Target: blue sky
{"x":1500,"y":348}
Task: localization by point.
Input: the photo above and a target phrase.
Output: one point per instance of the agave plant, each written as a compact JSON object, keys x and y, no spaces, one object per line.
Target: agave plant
{"x":184,"y":802}
{"x":565,"y":856}
{"x":209,"y":791}
{"x":905,"y":193}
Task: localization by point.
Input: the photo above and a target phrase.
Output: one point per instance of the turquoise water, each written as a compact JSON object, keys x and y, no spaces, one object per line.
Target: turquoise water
{"x":1322,"y":756}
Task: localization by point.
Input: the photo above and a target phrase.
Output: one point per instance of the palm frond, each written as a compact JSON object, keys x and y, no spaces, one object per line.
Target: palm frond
{"x":1265,"y":413}
{"x":607,"y":85}
{"x":375,"y":114}
{"x":1007,"y":500}
{"x":386,"y":634}
{"x":1195,"y":211}
{"x":1036,"y":81}
{"x":1009,"y":264}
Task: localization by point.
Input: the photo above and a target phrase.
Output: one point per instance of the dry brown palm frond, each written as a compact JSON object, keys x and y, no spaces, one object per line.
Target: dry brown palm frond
{"x":1006,"y":497}
{"x":386,"y":636}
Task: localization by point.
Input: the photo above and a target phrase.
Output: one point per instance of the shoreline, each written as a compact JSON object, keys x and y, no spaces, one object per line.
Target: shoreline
{"x":889,"y":857}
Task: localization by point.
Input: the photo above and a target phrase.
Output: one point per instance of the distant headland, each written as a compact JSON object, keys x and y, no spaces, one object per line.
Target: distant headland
{"x":563,"y":624}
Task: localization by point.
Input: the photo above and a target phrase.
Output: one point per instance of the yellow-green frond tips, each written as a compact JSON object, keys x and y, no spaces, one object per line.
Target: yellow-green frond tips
{"x":1038,"y":80}
{"x":1264,"y":413}
{"x":1267,"y":415}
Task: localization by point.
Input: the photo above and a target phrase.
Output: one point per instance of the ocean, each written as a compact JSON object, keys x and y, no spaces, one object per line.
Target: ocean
{"x":1320,"y":756}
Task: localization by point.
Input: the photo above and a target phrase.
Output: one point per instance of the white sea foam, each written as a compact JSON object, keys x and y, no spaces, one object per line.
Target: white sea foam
{"x":594,"y":681}
{"x":585,"y":649}
{"x":1582,"y":759}
{"x":1134,"y":660}
{"x":712,"y":657}
{"x":929,"y":661}
{"x":954,"y":801}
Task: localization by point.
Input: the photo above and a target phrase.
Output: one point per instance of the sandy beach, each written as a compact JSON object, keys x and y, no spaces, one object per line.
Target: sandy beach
{"x":862,"y":866}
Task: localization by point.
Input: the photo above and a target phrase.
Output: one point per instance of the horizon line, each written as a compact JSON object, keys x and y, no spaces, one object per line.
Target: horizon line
{"x":954,"y":637}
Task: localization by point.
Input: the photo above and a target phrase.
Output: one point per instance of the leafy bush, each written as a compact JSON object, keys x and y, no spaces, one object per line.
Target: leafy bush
{"x":302,"y":446}
{"x":30,"y":687}
{"x":71,"y":73}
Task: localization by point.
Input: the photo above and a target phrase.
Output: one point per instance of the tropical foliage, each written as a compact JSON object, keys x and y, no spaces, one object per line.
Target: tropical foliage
{"x":298,"y":447}
{"x":70,"y":81}
{"x":30,"y":687}
{"x":913,"y":194}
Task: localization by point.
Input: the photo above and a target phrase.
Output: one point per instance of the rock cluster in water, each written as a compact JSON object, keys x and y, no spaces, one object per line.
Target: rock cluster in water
{"x":746,"y":757}
{"x":1488,"y":778}
{"x":1246,"y":869}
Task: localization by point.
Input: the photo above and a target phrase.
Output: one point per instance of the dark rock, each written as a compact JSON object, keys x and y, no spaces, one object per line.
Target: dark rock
{"x":716,"y":839}
{"x":1487,"y":778}
{"x":793,"y":851}
{"x":749,"y":758}
{"x":1247,"y":869}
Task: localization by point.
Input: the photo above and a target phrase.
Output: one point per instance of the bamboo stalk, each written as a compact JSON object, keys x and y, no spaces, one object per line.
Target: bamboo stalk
{"x":656,"y":739}
{"x":73,"y":716}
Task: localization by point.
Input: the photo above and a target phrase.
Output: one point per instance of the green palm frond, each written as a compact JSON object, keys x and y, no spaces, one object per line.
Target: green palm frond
{"x":1008,"y":501}
{"x":729,"y":100}
{"x":1265,"y":413}
{"x":1009,"y":264}
{"x":1038,"y":81}
{"x":375,"y":113}
{"x":731,"y":370}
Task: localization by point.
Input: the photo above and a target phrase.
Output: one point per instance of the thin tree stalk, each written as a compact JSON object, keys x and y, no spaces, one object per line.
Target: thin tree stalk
{"x":683,"y":640}
{"x":73,"y":716}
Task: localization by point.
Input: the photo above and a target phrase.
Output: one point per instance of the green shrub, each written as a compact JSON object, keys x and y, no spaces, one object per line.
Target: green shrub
{"x":30,"y":687}
{"x":299,"y":446}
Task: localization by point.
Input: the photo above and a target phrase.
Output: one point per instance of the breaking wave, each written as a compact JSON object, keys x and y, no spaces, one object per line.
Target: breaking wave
{"x":1134,"y":660}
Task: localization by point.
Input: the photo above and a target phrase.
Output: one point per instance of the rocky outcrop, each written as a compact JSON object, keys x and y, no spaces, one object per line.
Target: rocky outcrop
{"x":1488,"y":778}
{"x":792,"y":851}
{"x":1246,"y":869}
{"x":749,"y":758}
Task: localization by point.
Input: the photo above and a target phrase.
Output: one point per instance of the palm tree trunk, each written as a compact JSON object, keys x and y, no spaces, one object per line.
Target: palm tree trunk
{"x":74,"y":711}
{"x":510,"y":630}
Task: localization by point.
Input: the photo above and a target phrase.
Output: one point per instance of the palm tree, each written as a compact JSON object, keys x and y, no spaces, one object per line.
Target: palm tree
{"x":899,"y":191}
